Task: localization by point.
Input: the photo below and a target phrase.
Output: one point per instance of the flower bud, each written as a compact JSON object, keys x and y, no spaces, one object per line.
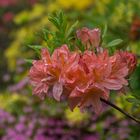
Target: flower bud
{"x":83,"y":35}
{"x":95,"y":37}
{"x":89,"y":37}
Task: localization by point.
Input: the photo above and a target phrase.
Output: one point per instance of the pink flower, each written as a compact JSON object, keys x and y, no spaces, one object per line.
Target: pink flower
{"x":60,"y":59}
{"x":118,"y":74}
{"x":130,"y":59}
{"x":89,"y":37}
{"x":8,"y":16}
{"x":82,"y":79}
{"x":74,"y":74}
{"x":85,"y":90}
{"x":6,"y":3}
{"x":94,"y":75}
{"x":88,"y":95}
{"x":60,"y":56}
{"x":107,"y":72}
{"x":37,"y":75}
{"x":44,"y":74}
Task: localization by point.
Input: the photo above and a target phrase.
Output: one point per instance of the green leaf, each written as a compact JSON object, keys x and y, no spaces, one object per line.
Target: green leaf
{"x":57,"y":19}
{"x":135,"y":80}
{"x":114,"y":42}
{"x":131,"y":100}
{"x":35,"y":47}
{"x":29,"y":61}
{"x":46,"y":33}
{"x":54,"y":21}
{"x":71,"y":29}
{"x":104,"y":31}
{"x":60,"y":15}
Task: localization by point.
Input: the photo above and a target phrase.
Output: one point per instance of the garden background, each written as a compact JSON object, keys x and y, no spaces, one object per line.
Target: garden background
{"x":24,"y":116}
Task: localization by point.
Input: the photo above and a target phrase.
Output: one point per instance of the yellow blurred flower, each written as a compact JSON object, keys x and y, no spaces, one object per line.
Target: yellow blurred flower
{"x":23,"y":36}
{"x":83,"y":4}
{"x":53,"y":7}
{"x":76,"y":116}
{"x":121,"y":102}
{"x":6,"y":100}
{"x":25,"y":16}
{"x":101,"y":6}
{"x":120,"y":14}
{"x":21,"y":17}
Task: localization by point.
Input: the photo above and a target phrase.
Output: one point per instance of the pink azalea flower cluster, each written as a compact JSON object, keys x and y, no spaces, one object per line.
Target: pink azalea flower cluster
{"x":81,"y":78}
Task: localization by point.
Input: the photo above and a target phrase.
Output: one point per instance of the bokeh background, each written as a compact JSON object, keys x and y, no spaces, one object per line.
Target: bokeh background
{"x":25,"y":117}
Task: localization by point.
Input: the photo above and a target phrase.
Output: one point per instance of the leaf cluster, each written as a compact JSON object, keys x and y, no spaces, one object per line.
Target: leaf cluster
{"x":64,"y":33}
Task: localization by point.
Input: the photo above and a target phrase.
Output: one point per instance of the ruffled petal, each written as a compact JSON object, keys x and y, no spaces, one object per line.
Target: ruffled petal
{"x":57,"y":91}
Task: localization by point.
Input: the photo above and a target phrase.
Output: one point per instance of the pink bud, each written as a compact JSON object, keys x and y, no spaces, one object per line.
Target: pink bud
{"x":89,"y":37}
{"x":83,"y":35}
{"x":95,"y":37}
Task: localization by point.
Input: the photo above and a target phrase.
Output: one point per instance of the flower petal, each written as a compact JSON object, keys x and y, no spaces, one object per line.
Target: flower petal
{"x":57,"y":91}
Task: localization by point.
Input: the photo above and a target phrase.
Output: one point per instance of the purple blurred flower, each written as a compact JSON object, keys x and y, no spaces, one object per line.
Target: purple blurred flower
{"x":19,"y":85}
{"x":20,"y":127}
{"x":40,"y":137}
{"x":91,"y":137}
{"x":6,"y":77}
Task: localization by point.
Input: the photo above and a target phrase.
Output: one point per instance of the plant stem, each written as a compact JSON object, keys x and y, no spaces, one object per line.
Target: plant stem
{"x":119,"y":109}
